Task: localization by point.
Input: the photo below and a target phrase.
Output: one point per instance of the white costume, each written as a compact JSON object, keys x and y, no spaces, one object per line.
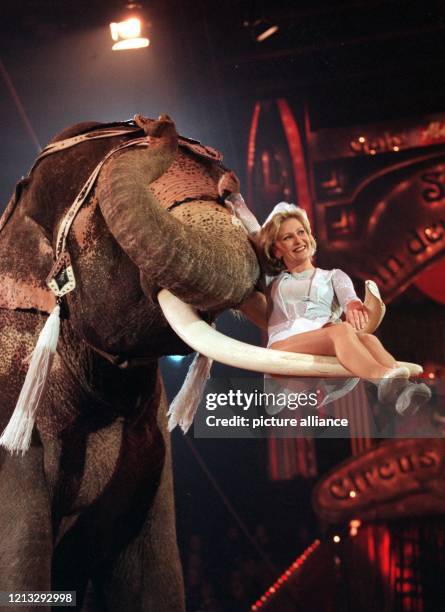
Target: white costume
{"x":302,"y":302}
{"x":299,"y":301}
{"x":308,"y":300}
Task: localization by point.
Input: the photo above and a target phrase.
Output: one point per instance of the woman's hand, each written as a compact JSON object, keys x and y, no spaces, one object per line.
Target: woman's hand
{"x":356,"y":315}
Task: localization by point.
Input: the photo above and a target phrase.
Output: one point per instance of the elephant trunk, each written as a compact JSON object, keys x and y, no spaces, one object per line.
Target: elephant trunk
{"x":211,"y":265}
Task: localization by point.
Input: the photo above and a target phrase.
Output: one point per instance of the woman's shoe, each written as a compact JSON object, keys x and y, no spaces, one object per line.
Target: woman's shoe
{"x":412,"y":398}
{"x":392,"y":384}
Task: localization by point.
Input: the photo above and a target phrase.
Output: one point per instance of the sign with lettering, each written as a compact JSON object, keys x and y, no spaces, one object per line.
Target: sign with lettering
{"x":379,"y":138}
{"x":395,"y":479}
{"x":391,"y":227}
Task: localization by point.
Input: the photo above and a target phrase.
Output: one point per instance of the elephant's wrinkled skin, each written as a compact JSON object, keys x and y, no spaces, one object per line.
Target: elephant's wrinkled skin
{"x":91,"y":501}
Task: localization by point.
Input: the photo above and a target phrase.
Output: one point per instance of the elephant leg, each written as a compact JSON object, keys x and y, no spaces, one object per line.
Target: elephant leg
{"x":71,"y":570}
{"x":25,"y":523}
{"x":147,"y":575}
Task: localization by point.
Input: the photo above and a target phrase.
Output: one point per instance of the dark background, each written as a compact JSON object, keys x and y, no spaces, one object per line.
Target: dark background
{"x":353,"y":61}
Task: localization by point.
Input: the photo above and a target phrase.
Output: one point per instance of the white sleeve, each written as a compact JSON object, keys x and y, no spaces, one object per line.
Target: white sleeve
{"x":343,"y":287}
{"x":244,"y":214}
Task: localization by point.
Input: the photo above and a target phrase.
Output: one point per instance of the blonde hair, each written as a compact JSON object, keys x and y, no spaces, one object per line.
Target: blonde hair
{"x":269,"y":234}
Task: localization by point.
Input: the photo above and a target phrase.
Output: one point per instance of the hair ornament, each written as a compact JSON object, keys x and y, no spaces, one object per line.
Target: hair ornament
{"x":285,"y":207}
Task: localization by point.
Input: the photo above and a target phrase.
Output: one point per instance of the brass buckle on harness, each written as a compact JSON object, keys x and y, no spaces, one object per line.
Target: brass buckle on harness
{"x":61,"y":279}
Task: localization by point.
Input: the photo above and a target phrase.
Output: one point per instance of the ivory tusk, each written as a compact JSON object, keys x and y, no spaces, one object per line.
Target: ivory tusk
{"x":202,"y":338}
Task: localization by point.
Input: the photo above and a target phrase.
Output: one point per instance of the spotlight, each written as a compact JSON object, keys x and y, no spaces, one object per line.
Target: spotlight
{"x":261,"y":29}
{"x":128,"y":33}
{"x":176,"y":358}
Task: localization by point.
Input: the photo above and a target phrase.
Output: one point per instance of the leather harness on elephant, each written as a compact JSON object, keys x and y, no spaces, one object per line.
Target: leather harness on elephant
{"x":169,"y":198}
{"x":177,"y":190}
{"x":204,"y":152}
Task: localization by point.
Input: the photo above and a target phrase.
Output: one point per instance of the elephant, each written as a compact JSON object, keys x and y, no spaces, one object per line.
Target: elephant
{"x":89,"y":506}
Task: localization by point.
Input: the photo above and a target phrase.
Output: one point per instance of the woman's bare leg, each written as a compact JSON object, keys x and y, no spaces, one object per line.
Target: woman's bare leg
{"x":339,"y":340}
{"x":377,"y":350}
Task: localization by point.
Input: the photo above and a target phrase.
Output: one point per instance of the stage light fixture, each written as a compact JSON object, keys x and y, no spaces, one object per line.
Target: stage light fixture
{"x":130,"y":31}
{"x":261,"y":29}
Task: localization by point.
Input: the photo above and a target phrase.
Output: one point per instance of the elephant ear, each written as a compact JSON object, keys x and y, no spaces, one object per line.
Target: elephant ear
{"x":26,"y":257}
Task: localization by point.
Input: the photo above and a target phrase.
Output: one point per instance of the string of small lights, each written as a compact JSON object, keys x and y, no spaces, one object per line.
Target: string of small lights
{"x":285,"y":576}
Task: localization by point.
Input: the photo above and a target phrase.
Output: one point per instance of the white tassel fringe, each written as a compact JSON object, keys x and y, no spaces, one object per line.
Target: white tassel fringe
{"x":183,"y":408}
{"x":17,"y":436}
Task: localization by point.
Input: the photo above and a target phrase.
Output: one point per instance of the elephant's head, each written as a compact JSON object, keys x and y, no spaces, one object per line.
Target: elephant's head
{"x":157,"y":220}
{"x":163,"y":207}
{"x":97,"y":472}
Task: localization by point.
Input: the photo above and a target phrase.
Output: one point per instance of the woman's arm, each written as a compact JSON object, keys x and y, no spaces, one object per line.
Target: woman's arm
{"x":255,"y":309}
{"x":352,"y":306}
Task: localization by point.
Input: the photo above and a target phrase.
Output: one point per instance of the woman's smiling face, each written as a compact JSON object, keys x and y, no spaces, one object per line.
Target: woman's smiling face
{"x":293,"y":244}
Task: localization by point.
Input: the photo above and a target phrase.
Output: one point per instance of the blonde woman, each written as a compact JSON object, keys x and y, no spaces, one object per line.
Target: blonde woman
{"x":305,"y":304}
